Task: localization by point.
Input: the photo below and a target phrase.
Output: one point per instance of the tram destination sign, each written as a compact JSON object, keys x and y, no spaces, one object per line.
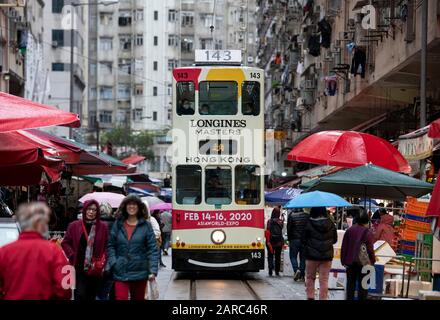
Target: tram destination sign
{"x":218,"y":56}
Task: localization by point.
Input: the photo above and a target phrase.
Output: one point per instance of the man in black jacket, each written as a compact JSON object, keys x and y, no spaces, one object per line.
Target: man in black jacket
{"x":296,"y":224}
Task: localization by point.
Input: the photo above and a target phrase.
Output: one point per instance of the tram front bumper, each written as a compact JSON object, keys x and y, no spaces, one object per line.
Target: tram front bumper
{"x":218,"y":260}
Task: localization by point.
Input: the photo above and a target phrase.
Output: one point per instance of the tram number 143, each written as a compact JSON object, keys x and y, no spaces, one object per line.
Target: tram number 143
{"x":256,"y":255}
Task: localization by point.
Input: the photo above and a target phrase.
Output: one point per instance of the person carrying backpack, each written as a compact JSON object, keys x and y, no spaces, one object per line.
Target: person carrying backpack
{"x":274,"y":241}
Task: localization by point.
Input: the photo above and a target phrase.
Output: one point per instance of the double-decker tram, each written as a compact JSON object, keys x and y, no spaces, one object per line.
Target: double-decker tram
{"x":218,"y":162}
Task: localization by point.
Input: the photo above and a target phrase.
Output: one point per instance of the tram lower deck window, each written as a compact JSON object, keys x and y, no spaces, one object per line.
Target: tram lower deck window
{"x":247,"y":185}
{"x":188,"y":184}
{"x":218,"y":185}
{"x":218,"y":98}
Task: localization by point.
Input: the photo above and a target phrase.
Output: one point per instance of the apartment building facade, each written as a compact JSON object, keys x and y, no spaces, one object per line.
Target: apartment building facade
{"x":344,"y":65}
{"x":13,"y":39}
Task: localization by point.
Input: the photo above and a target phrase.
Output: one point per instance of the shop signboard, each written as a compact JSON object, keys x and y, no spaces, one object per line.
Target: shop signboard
{"x":416,"y":147}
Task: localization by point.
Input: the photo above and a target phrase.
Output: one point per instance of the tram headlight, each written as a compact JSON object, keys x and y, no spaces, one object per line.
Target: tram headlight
{"x":218,"y":236}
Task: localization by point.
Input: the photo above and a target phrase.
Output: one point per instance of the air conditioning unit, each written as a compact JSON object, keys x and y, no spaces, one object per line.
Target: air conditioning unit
{"x":250,"y":59}
{"x":54,"y":44}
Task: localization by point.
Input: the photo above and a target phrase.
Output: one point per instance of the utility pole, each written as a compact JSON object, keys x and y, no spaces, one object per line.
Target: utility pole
{"x":424,"y":61}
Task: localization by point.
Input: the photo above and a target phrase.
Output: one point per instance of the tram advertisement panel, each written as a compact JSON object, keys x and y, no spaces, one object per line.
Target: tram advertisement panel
{"x":191,"y":219}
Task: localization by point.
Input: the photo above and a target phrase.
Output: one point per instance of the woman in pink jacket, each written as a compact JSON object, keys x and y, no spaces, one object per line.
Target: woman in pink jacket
{"x":385,"y":230}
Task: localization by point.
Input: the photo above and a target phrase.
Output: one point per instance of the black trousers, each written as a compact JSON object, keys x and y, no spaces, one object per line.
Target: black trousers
{"x":354,"y":281}
{"x":87,"y":288}
{"x":270,"y":257}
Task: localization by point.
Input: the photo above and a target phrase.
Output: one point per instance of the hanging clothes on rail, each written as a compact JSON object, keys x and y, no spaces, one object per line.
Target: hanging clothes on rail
{"x":359,"y":62}
{"x":331,"y":86}
{"x":326,"y":33}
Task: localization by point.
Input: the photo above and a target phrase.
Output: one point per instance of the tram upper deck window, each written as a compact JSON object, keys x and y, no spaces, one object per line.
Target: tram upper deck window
{"x":218,"y":98}
{"x":218,"y":185}
{"x":185,"y":98}
{"x":250,"y":98}
{"x":188,"y":184}
{"x":247,"y":185}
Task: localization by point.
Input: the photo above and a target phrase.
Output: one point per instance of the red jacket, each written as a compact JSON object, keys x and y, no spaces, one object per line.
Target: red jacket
{"x":74,"y":232}
{"x":385,"y":230}
{"x":31,"y":268}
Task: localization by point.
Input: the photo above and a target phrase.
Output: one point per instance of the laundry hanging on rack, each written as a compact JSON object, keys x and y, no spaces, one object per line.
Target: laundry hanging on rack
{"x":331,"y":86}
{"x":315,"y":45}
{"x":326,"y":33}
{"x":358,"y":65}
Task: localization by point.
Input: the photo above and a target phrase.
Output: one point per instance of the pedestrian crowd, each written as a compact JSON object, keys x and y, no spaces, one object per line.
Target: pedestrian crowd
{"x":311,"y":238}
{"x":104,"y":255}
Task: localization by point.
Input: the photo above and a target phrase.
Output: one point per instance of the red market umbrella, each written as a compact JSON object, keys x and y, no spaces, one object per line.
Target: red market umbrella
{"x":434,"y":129}
{"x":349,"y":149}
{"x":133,"y":159}
{"x":18,"y":113}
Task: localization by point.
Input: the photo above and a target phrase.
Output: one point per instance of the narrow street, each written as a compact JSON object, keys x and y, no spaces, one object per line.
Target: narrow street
{"x":249,"y":286}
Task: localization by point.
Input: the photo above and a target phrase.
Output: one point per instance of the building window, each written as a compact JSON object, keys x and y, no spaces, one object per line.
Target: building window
{"x":125,"y":42}
{"x":218,"y":45}
{"x":105,"y":68}
{"x":105,"y":44}
{"x":106,"y":93}
{"x":187,"y":45}
{"x":139,"y":65}
{"x":156,"y":15}
{"x":121,"y":116}
{"x":58,"y":38}
{"x":171,"y":15}
{"x":169,"y":90}
{"x":156,"y":40}
{"x":92,"y":68}
{"x":139,"y":40}
{"x":154,"y":115}
{"x":206,"y":19}
{"x":105,"y":19}
{"x":155,"y":65}
{"x":139,"y":15}
{"x":124,"y":67}
{"x":172,"y":40}
{"x":155,"y":91}
{"x":124,"y":18}
{"x":172,"y":64}
{"x":105,"y":117}
{"x":92,"y":94}
{"x":57,"y":6}
{"x":58,"y":67}
{"x":137,"y":114}
{"x":205,"y":44}
{"x":139,"y":89}
{"x":187,"y":19}
{"x":124,"y":92}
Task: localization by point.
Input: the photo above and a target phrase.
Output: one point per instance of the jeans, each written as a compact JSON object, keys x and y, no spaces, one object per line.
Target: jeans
{"x":166,"y":238}
{"x":270,"y":257}
{"x":296,"y":247}
{"x":354,"y":279}
{"x":324,"y":271}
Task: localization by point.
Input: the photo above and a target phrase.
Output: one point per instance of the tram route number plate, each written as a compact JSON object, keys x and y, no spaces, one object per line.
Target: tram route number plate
{"x":218,"y":56}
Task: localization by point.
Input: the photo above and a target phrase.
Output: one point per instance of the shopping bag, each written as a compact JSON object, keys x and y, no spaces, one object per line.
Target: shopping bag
{"x":153,"y":292}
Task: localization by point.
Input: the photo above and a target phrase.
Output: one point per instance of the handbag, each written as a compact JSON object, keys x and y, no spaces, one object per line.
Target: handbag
{"x":153,"y":293}
{"x":97,"y":267}
{"x":363,"y":258}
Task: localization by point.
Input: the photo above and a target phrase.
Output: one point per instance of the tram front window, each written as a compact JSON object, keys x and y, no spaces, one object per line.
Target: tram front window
{"x":218,"y":98}
{"x":250,"y":98}
{"x":247,"y":185}
{"x":185,"y":98}
{"x":188,"y":184}
{"x":218,"y":185}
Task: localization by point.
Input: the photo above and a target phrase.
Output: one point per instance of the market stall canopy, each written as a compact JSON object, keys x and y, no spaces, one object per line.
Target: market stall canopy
{"x":23,"y":160}
{"x":134,"y":159}
{"x":317,"y":199}
{"x":281,"y":196}
{"x":18,"y":113}
{"x":349,"y":149}
{"x":434,"y":129}
{"x":370,"y":181}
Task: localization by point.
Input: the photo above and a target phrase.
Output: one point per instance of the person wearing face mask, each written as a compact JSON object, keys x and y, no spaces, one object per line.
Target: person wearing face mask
{"x":185,"y":108}
{"x":86,"y":241}
{"x":132,"y":252}
{"x":33,"y":268}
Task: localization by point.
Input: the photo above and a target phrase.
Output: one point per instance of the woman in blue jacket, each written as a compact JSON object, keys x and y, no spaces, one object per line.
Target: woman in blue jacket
{"x":132,"y":252}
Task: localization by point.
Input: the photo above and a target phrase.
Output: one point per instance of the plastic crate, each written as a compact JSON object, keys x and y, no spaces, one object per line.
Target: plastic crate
{"x":416,"y":207}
